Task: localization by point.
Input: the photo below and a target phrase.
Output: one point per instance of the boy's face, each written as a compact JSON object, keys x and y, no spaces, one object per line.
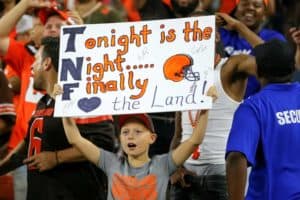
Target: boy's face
{"x":251,"y":12}
{"x":136,"y":138}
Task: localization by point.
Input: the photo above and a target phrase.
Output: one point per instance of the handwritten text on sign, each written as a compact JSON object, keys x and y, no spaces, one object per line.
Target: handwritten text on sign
{"x":150,"y":66}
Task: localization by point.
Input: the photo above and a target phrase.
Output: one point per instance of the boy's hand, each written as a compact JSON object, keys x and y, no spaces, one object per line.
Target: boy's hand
{"x":57,"y":90}
{"x":212,"y":92}
{"x":75,"y":17}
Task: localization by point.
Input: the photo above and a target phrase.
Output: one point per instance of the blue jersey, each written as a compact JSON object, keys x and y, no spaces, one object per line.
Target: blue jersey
{"x":234,"y":45}
{"x":266,"y":129}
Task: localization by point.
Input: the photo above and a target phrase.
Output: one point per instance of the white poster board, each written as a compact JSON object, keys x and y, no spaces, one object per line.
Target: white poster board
{"x":148,"y":66}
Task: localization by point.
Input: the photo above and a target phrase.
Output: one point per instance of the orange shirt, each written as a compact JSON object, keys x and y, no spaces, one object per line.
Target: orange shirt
{"x":20,"y":59}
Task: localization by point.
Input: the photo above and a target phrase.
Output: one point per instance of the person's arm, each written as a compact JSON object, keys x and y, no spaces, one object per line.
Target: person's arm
{"x":14,"y":159}
{"x":90,"y":151}
{"x":242,"y":29}
{"x":234,"y":75}
{"x":69,"y":155}
{"x":295,"y":34}
{"x":47,"y":160}
{"x":239,"y":64}
{"x":241,"y":150}
{"x":74,"y":18}
{"x":178,"y":132}
{"x":8,"y":21}
{"x":236,"y":171}
{"x":185,"y":149}
{"x":238,"y":68}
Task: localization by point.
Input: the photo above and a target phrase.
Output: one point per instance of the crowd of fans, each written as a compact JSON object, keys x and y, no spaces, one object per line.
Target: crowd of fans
{"x":257,"y":43}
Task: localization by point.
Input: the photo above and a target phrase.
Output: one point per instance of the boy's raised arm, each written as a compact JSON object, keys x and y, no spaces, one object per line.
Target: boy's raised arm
{"x":90,"y":151}
{"x":185,"y":149}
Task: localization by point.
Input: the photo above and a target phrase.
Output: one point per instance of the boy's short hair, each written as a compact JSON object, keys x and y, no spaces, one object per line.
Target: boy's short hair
{"x":274,"y":60}
{"x":144,"y":118}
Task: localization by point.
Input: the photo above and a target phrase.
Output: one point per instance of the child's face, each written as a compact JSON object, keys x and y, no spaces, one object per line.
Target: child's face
{"x":136,"y":138}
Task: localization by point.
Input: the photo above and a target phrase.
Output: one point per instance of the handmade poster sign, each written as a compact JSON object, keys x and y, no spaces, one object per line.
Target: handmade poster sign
{"x":148,"y":66}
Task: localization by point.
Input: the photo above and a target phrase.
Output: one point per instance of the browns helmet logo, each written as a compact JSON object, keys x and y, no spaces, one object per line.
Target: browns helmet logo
{"x":179,"y":67}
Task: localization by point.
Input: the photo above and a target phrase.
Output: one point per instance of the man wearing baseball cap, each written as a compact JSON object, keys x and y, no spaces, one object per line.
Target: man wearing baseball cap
{"x":265,"y":131}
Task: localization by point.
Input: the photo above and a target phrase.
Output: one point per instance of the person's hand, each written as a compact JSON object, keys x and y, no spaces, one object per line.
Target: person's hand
{"x":75,"y":17}
{"x":43,"y":161}
{"x":178,"y":177}
{"x":57,"y":90}
{"x":223,"y":19}
{"x":295,"y":34}
{"x":212,"y":92}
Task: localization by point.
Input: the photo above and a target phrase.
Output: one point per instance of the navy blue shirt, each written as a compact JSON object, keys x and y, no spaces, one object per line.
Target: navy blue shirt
{"x":266,"y":129}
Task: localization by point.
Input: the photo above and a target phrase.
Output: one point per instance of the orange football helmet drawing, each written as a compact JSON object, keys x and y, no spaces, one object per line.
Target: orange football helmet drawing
{"x":179,"y":67}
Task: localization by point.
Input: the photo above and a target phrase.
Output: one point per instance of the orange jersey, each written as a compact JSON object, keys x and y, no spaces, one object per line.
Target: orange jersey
{"x":20,"y":59}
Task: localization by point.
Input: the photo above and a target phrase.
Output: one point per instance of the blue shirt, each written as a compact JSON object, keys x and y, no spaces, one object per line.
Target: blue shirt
{"x":234,"y":45}
{"x":266,"y":129}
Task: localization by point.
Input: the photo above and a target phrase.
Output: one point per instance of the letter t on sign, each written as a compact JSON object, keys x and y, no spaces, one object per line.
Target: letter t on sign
{"x":71,"y":40}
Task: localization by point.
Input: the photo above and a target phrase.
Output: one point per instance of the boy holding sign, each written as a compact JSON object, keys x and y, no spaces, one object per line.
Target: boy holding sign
{"x":137,"y":170}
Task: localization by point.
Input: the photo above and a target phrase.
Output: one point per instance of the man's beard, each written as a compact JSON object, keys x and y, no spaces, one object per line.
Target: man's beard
{"x":186,"y":10}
